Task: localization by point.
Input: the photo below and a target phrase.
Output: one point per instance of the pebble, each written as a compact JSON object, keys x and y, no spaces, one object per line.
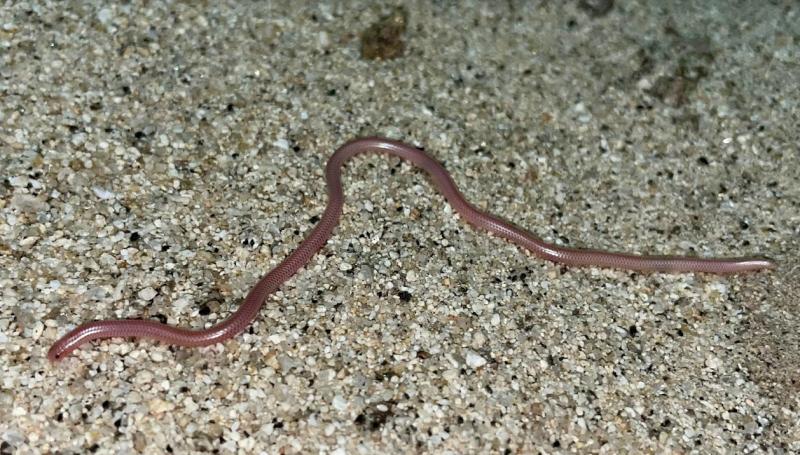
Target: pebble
{"x":339,"y":403}
{"x":159,"y":406}
{"x":147,"y":293}
{"x":474,"y":360}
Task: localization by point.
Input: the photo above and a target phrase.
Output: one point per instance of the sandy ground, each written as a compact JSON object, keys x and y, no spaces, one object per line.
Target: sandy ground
{"x":157,"y":158}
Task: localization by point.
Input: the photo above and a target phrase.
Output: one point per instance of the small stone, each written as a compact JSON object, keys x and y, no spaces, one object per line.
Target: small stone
{"x":143,"y":377}
{"x":478,"y":340}
{"x":281,"y":144}
{"x":474,"y":360}
{"x":104,"y":16}
{"x":28,"y":203}
{"x":18,"y":181}
{"x":365,"y":273}
{"x":383,"y":40}
{"x":324,"y":39}
{"x":28,"y":241}
{"x":596,"y":8}
{"x":713,"y":363}
{"x":147,"y":293}
{"x":103,"y":193}
{"x":339,"y":403}
{"x":450,"y":375}
{"x":286,"y":363}
{"x":159,"y":406}
{"x":139,"y":442}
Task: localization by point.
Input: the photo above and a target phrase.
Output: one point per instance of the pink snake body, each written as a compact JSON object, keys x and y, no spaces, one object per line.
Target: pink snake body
{"x":248,"y":311}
